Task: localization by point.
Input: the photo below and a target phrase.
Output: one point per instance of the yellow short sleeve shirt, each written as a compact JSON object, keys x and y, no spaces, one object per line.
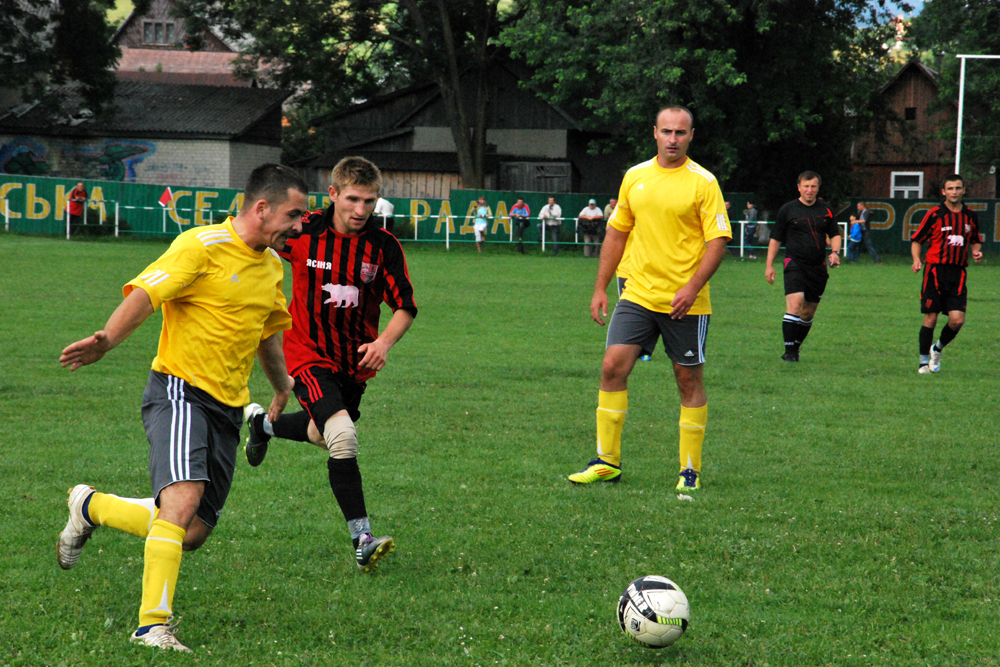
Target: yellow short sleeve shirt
{"x":220,"y":298}
{"x":669,"y":214}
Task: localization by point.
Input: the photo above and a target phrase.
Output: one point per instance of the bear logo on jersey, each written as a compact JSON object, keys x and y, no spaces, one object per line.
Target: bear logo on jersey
{"x":341,"y":296}
{"x":955,"y":239}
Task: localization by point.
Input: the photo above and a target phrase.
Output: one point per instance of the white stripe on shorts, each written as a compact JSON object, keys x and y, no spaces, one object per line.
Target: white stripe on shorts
{"x":180,"y":430}
{"x":702,"y":334}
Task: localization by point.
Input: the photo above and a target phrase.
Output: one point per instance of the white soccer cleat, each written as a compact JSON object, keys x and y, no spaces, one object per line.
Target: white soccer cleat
{"x":161,"y":636}
{"x":935,"y":364}
{"x":924,"y":370}
{"x":77,"y":530}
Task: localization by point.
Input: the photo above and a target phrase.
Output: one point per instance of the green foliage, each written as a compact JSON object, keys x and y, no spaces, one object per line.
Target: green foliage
{"x":772,"y":97}
{"x":44,"y":44}
{"x":952,"y":27}
{"x":848,"y":515}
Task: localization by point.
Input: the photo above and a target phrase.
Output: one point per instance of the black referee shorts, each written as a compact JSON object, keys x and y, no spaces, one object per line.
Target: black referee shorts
{"x":944,"y":289}
{"x":324,"y":393}
{"x":809,"y":279}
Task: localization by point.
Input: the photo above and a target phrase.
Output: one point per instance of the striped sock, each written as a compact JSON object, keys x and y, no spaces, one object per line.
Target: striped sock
{"x":164,"y":547}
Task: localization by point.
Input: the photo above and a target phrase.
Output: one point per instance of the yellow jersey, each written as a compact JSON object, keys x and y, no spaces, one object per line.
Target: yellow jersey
{"x":220,"y":298}
{"x":669,"y":215}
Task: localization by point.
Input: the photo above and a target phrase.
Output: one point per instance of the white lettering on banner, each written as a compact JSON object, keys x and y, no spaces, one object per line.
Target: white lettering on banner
{"x":318,"y":264}
{"x":955,"y":239}
{"x":341,"y":296}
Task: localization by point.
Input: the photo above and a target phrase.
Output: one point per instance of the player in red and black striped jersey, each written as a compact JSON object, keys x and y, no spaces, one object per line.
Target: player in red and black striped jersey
{"x":950,"y":230}
{"x":344,"y":266}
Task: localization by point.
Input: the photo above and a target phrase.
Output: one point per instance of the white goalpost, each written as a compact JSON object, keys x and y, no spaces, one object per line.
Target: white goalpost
{"x":961,"y":106}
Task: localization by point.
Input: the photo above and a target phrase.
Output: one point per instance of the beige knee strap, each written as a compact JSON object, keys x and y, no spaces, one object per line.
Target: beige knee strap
{"x":341,"y":437}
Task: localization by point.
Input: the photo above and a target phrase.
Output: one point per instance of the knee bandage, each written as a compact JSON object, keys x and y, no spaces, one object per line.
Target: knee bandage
{"x":341,"y":437}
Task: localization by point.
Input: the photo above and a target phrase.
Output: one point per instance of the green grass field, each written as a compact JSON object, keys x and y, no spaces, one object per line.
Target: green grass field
{"x":848,"y":515}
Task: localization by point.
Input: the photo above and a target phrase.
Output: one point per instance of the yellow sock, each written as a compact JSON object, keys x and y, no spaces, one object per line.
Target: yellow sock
{"x":612,"y":406}
{"x":132,"y":515}
{"x":692,"y":423}
{"x":159,"y":578}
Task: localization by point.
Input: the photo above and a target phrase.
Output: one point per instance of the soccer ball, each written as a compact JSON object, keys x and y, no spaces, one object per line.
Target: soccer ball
{"x":654,"y":611}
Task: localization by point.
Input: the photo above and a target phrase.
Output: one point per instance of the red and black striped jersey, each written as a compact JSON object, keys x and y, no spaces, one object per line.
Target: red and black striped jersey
{"x":948,"y":235}
{"x":339,"y":282}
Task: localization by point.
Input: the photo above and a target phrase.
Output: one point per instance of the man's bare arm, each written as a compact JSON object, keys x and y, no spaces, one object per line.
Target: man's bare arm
{"x":376,"y":352}
{"x":272,"y":361}
{"x":129,"y":314}
{"x":684,"y":298}
{"x":611,"y":256}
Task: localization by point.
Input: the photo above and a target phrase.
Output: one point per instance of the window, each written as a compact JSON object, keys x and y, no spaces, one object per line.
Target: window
{"x":158,"y":32}
{"x":910,"y":113}
{"x":907,"y":185}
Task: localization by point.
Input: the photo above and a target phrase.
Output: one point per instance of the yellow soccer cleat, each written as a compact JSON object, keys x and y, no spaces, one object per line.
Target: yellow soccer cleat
{"x":597,"y":471}
{"x":689,"y":480}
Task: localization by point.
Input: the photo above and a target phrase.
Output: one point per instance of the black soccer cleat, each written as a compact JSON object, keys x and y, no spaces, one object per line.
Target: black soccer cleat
{"x":791,"y":357}
{"x":256,"y":447}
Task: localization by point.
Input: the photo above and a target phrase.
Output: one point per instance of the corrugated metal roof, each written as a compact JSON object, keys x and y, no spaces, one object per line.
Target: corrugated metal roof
{"x":142,"y":108}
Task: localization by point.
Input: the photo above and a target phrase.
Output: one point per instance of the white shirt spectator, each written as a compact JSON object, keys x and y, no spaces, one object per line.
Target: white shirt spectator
{"x":384,"y":208}
{"x":550,"y":214}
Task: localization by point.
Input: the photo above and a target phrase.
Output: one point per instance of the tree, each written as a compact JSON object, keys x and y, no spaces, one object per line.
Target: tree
{"x":951,"y":27}
{"x":771,"y":96}
{"x":342,"y":53}
{"x":45,"y":44}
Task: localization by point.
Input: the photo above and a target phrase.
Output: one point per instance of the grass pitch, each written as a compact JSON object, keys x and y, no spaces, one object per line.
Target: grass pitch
{"x":848,"y":515}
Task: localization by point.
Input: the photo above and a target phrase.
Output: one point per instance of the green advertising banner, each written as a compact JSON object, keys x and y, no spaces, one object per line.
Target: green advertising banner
{"x":37,"y":205}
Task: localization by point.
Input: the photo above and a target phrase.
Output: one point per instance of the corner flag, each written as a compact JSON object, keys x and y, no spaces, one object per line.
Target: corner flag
{"x":167,"y":198}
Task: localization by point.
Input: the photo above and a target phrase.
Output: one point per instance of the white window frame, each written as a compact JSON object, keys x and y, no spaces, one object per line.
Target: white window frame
{"x":906,"y":191}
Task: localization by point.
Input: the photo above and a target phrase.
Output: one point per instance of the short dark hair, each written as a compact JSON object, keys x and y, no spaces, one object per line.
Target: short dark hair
{"x":356,"y":171}
{"x":808,"y":176}
{"x":271,"y":182}
{"x":675,"y":107}
{"x":953,"y":177}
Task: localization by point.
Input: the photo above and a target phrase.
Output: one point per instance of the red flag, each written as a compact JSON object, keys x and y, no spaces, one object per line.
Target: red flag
{"x":167,"y":198}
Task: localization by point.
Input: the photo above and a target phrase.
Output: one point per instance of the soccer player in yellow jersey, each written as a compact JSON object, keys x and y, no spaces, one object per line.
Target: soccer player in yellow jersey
{"x":671,"y":211}
{"x":220,"y":290}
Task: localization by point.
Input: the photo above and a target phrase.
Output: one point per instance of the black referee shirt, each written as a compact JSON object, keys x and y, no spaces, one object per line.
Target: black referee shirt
{"x":803,"y":230}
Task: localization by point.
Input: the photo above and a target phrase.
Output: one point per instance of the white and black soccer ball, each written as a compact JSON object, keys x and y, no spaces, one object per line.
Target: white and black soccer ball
{"x":654,"y":611}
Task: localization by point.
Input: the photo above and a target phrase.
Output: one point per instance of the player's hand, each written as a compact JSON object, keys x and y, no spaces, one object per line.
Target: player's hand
{"x":917,"y":265}
{"x":683,"y":300}
{"x":375,"y":354}
{"x":977,"y":255}
{"x":599,"y":306}
{"x":85,"y":352}
{"x":834,"y":259}
{"x":278,"y":404}
{"x":769,"y":274}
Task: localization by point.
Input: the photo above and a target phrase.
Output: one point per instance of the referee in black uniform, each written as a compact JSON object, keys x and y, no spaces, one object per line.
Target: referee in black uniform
{"x":803,"y":225}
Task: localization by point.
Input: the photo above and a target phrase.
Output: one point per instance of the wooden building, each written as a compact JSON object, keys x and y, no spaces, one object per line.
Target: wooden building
{"x":532,"y":146}
{"x":910,"y":162}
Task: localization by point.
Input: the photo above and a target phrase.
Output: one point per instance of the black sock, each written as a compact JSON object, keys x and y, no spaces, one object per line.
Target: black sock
{"x":345,"y":481}
{"x":947,"y":335}
{"x":294,"y":426}
{"x":789,"y":329}
{"x":926,"y":338}
{"x":803,"y":331}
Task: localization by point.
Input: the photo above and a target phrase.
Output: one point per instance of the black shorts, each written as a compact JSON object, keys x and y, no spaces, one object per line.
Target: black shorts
{"x":809,"y":279}
{"x":192,"y":438}
{"x":323,"y":393}
{"x":944,"y":289}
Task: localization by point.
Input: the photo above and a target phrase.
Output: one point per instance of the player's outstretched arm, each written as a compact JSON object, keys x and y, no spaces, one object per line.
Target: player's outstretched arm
{"x":376,"y":352}
{"x":611,"y":255}
{"x":129,"y":314}
{"x":272,"y":360}
{"x":915,"y":252}
{"x":773,"y":247}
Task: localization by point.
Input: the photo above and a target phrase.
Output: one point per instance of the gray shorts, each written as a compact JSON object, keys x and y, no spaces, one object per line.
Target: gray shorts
{"x":683,"y":339}
{"x":192,"y":437}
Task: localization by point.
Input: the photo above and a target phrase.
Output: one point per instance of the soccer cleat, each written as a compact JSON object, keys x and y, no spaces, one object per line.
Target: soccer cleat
{"x":77,"y":530}
{"x":646,"y":357}
{"x":256,"y":447}
{"x":161,"y":636}
{"x":373,"y":549}
{"x":689,"y":480}
{"x":790,"y":357}
{"x":597,"y":471}
{"x":935,"y":359}
{"x":924,"y":369}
